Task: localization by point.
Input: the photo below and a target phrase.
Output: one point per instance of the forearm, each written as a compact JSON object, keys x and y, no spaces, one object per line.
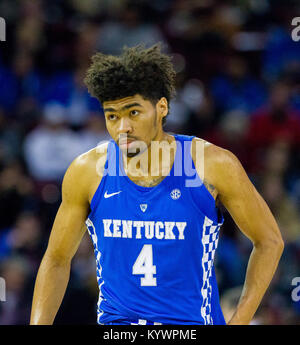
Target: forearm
{"x":50,"y":286}
{"x":262,"y":265}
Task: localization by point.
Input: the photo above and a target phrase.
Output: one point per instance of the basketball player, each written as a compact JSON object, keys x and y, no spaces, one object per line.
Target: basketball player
{"x":154,"y":226}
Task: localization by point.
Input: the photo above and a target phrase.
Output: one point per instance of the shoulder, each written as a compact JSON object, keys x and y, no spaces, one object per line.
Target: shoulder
{"x":88,"y":161}
{"x":214,"y":156}
{"x":86,"y":171}
{"x":216,"y":164}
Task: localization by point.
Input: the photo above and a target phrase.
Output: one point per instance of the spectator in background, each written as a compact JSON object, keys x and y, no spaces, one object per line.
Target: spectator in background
{"x":27,"y":81}
{"x":199,"y":101}
{"x":274,"y":60}
{"x":24,"y":238}
{"x":291,"y":74}
{"x":85,"y":44}
{"x":16,"y":193}
{"x":10,"y":140}
{"x":283,"y":208}
{"x":20,"y":99}
{"x":191,"y":104}
{"x":236,"y":88}
{"x":230,"y":133}
{"x":272,"y":181}
{"x":93,"y":132}
{"x":16,"y":272}
{"x":80,"y":103}
{"x":8,"y":95}
{"x":280,"y":50}
{"x":30,"y":34}
{"x":275,"y":120}
{"x":127,"y":30}
{"x":202,"y":32}
{"x":51,"y":146}
{"x":68,"y":90}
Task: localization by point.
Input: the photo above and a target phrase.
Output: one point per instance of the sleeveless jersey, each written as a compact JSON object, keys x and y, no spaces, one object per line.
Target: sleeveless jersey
{"x":155,"y":246}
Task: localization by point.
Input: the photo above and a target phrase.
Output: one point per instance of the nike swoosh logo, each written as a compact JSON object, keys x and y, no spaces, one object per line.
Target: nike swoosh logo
{"x":106,"y":195}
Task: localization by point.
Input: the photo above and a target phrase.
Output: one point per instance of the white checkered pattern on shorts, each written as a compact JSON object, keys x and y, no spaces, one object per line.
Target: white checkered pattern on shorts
{"x":91,"y":229}
{"x":210,"y":238}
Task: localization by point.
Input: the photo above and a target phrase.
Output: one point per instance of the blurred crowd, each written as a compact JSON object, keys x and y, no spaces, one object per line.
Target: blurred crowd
{"x":238,"y":86}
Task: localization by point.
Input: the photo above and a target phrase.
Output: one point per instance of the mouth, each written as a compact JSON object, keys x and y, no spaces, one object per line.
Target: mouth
{"x":125,"y":143}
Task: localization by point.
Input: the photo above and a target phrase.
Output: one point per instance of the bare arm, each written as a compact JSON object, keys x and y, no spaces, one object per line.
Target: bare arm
{"x":254,"y":218}
{"x":67,"y":232}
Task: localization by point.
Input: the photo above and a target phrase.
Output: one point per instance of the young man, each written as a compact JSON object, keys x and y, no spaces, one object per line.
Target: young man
{"x":154,"y":228}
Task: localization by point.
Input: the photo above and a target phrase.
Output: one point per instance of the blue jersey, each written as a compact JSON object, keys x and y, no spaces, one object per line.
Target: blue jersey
{"x":155,"y":246}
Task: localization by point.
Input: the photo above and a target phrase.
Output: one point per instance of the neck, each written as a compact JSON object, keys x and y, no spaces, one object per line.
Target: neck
{"x":154,"y":162}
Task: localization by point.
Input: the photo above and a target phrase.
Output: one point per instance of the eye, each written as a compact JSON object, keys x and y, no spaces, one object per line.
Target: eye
{"x":111,"y":117}
{"x":134,"y":112}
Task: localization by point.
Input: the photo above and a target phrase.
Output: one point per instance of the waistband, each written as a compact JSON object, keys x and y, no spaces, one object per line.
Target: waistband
{"x":132,"y":322}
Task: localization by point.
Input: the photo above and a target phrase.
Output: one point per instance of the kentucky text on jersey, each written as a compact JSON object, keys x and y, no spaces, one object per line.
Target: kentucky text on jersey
{"x":144,"y":229}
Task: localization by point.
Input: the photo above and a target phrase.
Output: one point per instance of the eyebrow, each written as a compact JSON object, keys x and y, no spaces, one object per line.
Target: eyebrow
{"x":127,"y":106}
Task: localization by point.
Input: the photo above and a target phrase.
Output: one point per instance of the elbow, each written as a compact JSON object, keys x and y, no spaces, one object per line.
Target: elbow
{"x":274,"y":244}
{"x":281,"y":245}
{"x":54,"y":258}
{"x":278,"y":246}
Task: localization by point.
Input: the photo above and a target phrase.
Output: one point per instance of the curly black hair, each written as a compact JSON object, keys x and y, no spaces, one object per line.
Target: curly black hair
{"x":147,"y":72}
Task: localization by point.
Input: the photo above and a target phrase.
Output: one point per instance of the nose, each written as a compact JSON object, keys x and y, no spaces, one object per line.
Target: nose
{"x":124,"y":126}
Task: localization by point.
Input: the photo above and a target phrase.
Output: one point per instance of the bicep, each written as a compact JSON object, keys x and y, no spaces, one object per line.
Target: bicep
{"x":67,"y":232}
{"x":69,"y":224}
{"x":246,"y":206}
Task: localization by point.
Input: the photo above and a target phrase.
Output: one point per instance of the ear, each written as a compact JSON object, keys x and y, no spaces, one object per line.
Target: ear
{"x":162,"y":107}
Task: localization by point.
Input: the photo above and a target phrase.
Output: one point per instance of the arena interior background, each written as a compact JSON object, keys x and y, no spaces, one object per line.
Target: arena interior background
{"x":238,"y":87}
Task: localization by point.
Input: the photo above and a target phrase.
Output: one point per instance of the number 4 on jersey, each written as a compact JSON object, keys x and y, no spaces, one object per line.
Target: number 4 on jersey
{"x":144,"y":265}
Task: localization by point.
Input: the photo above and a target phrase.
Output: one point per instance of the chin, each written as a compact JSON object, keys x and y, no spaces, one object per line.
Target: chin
{"x":131,"y":153}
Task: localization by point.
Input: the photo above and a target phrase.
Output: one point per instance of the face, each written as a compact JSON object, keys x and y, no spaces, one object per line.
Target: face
{"x":133,"y":119}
